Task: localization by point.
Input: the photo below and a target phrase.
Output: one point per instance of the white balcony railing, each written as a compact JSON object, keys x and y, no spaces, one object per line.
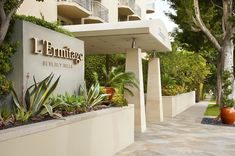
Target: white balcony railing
{"x":100,"y":11}
{"x":87,"y":4}
{"x":137,"y":10}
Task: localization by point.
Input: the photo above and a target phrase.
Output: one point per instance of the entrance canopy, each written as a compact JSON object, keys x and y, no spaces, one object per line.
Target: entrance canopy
{"x":107,"y":38}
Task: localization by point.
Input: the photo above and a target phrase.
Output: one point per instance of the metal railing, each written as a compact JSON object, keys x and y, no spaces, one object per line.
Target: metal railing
{"x":87,"y":4}
{"x":150,"y":6}
{"x":137,"y":10}
{"x":100,"y":11}
{"x":129,"y":3}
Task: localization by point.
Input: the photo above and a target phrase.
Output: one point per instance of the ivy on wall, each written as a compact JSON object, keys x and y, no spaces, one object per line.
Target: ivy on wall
{"x":53,"y":26}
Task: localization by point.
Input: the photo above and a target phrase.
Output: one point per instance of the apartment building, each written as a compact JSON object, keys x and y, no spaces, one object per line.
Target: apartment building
{"x":102,"y":25}
{"x":70,"y":12}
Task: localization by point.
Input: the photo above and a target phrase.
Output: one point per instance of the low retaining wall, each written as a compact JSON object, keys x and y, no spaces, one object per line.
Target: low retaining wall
{"x":173,"y":105}
{"x":99,"y":133}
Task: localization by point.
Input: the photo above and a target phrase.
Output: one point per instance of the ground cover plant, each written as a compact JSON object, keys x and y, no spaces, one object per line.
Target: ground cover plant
{"x":212,"y":110}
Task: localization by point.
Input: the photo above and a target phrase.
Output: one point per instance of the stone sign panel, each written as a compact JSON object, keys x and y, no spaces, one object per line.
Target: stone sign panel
{"x":41,"y":52}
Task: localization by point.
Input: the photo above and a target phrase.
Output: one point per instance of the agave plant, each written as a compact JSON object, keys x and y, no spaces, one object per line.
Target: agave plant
{"x":93,"y":96}
{"x":36,"y":100}
{"x":116,"y":78}
{"x":68,"y":102}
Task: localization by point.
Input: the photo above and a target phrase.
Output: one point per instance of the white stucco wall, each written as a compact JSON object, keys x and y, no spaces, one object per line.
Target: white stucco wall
{"x":173,"y":105}
{"x":99,"y":133}
{"x":48,"y":9}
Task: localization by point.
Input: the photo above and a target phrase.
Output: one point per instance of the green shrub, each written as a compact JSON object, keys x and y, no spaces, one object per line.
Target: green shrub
{"x":5,"y":85}
{"x":119,"y":100}
{"x":6,"y":116}
{"x":95,"y":63}
{"x":7,"y":50}
{"x":182,"y":72}
{"x":116,"y":78}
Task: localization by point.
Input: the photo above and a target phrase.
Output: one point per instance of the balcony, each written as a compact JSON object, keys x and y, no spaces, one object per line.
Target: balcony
{"x":99,"y":14}
{"x":150,"y":8}
{"x":74,"y":9}
{"x":136,"y":15}
{"x":126,"y":7}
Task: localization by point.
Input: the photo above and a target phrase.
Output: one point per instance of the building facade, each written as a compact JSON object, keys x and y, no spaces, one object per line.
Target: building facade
{"x":70,"y":12}
{"x":99,"y":23}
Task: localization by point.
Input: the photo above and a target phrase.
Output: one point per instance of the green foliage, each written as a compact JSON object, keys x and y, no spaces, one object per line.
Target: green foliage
{"x":7,"y":50}
{"x":6,"y":116}
{"x":68,"y":103}
{"x":43,"y":23}
{"x":182,"y":71}
{"x":212,"y":110}
{"x":190,"y":38}
{"x":119,"y":100}
{"x":11,"y":4}
{"x":93,"y":96}
{"x":5,"y":85}
{"x":36,"y":100}
{"x":95,"y":63}
{"x":116,"y":78}
{"x":5,"y":112}
{"x":227,"y":90}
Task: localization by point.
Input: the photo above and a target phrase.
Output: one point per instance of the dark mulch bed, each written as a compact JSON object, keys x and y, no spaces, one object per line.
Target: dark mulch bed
{"x":212,"y":121}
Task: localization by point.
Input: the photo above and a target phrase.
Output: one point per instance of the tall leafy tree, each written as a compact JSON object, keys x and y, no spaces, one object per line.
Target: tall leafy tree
{"x":210,"y":19}
{"x":7,"y":9}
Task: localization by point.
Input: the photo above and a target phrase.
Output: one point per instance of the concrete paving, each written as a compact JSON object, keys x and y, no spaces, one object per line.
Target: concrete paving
{"x":184,"y":136}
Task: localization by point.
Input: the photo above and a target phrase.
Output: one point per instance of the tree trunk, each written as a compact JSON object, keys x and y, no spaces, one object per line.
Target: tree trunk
{"x":227,"y":51}
{"x":225,"y":63}
{"x":3,"y":29}
{"x":219,"y":81}
{"x":198,"y":93}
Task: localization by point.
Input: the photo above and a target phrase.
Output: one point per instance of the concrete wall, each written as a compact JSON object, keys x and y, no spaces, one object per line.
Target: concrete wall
{"x":48,"y":9}
{"x":173,"y":105}
{"x":99,"y":133}
{"x":28,"y":64}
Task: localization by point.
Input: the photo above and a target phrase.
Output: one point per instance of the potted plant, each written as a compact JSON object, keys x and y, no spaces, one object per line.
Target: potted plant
{"x":227,"y":112}
{"x":119,"y":80}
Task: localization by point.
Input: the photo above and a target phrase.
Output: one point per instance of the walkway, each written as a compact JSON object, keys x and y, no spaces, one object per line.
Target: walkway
{"x":184,"y":136}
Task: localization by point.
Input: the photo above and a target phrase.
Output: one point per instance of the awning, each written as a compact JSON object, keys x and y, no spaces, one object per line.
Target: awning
{"x":108,"y":38}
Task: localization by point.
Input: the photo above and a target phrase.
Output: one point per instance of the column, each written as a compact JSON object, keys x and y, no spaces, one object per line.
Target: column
{"x":154,"y":107}
{"x":134,"y":64}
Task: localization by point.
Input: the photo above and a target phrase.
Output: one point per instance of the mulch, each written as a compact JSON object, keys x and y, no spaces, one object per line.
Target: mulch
{"x":213,"y":121}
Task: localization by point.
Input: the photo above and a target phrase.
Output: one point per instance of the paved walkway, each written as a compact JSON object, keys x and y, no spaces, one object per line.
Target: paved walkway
{"x":184,"y":136}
